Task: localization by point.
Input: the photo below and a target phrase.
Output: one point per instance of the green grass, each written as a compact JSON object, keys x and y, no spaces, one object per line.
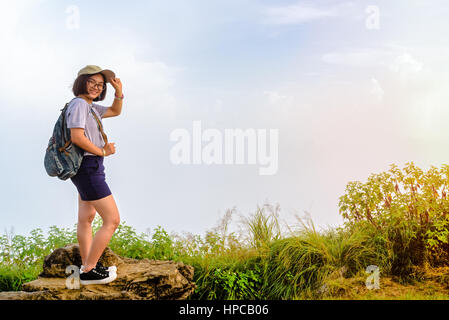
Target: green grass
{"x":260,"y":262}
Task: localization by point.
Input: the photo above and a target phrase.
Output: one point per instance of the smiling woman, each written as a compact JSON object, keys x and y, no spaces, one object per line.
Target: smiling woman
{"x":86,"y":130}
{"x":91,"y":85}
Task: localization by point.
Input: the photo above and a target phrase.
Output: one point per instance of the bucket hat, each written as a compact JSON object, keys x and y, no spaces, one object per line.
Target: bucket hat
{"x":91,"y":69}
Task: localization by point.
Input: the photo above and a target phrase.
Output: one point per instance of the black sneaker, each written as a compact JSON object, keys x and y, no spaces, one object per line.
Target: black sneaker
{"x":100,"y":267}
{"x":96,"y":276}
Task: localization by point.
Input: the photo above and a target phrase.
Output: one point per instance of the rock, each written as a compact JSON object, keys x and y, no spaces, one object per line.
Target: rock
{"x":56,"y":262}
{"x":136,"y":279}
{"x":22,"y":295}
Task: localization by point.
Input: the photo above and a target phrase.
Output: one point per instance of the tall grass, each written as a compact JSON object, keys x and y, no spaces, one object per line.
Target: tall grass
{"x":260,"y":261}
{"x":299,"y":265}
{"x":263,"y":227}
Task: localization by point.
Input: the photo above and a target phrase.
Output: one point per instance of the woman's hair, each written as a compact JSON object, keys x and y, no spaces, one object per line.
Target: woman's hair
{"x":80,"y":86}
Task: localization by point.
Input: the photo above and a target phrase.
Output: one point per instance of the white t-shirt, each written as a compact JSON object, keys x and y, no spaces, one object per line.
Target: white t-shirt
{"x":79,"y":115}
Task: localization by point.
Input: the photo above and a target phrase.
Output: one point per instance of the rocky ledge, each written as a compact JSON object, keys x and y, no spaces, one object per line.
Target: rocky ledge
{"x":136,"y":279}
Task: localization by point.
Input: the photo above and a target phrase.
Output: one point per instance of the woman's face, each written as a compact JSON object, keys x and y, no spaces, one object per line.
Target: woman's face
{"x":95,"y":85}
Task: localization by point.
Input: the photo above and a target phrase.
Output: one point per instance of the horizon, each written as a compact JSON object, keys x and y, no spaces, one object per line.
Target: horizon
{"x":349,"y":87}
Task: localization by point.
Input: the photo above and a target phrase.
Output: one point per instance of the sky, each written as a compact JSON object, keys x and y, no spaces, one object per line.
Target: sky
{"x":349,"y":88}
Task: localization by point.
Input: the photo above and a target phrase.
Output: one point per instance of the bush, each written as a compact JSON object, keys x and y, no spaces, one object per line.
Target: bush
{"x":409,"y":209}
{"x":12,"y":277}
{"x":228,"y":284}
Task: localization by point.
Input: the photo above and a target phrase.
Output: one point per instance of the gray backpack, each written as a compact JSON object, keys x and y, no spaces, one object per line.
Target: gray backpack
{"x":62,"y":157}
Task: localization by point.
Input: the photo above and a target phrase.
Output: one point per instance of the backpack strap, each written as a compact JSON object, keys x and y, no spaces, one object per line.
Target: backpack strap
{"x":68,"y":142}
{"x":100,"y":126}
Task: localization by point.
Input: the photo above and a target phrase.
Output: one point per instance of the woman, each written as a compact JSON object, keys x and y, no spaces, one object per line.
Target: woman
{"x":84,"y":120}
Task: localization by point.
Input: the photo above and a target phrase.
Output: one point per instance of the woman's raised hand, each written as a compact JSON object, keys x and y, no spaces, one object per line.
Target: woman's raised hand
{"x":117,"y":84}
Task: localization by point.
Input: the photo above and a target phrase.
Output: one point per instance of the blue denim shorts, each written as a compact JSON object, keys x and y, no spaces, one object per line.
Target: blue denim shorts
{"x":90,"y":179}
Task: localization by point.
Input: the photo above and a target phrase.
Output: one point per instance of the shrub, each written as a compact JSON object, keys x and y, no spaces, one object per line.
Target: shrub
{"x":228,"y":284}
{"x":409,"y":209}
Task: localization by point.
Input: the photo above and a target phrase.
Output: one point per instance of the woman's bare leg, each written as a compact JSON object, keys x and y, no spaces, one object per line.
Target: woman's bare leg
{"x":86,"y":214}
{"x":107,"y":209}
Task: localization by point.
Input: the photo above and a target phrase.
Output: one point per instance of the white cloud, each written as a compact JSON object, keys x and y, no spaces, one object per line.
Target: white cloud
{"x":21,"y":61}
{"x":411,"y":82}
{"x":147,"y":83}
{"x":295,"y":14}
{"x":47,"y":66}
{"x":398,"y":62}
{"x":11,"y":12}
{"x":405,"y":65}
{"x":365,"y":57}
{"x":376,"y":90}
{"x":274,"y":97}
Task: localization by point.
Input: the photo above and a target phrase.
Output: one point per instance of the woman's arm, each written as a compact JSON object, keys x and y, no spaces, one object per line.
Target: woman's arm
{"x":117,"y":104}
{"x":78,"y":138}
{"x":114,"y":110}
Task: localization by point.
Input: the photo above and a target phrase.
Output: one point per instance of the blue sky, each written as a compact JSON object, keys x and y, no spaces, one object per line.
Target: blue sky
{"x":347,"y":100}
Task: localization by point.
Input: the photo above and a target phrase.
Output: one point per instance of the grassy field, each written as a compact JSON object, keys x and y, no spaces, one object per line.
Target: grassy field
{"x":404,"y":236}
{"x":305,"y":264}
